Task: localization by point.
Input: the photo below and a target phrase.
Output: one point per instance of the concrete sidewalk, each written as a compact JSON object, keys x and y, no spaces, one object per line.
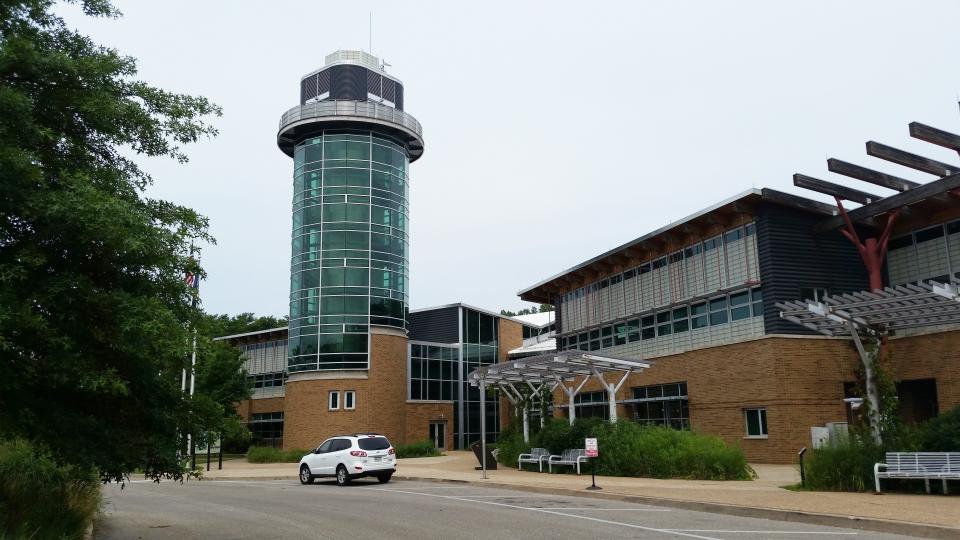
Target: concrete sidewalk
{"x":735,"y":497}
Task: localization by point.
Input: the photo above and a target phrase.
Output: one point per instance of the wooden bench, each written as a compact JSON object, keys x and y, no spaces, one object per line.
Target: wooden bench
{"x":536,"y":455}
{"x":572,"y":458}
{"x":926,"y":466}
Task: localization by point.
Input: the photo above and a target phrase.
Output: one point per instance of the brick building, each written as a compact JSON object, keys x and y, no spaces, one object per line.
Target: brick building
{"x":699,"y":298}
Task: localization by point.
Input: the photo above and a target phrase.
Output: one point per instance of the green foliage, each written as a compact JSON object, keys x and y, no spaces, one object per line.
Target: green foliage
{"x":846,"y":465}
{"x":629,"y":449}
{"x":265,"y":454}
{"x":41,"y":499}
{"x":417,"y":449}
{"x":509,"y":447}
{"x":94,"y":313}
{"x":236,"y":437}
{"x":942,"y":434}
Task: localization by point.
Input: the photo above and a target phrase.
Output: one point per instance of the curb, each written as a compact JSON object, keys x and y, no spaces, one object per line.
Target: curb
{"x":830,"y":520}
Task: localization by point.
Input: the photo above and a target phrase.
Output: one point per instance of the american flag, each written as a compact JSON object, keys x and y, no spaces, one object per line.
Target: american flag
{"x":192,"y":280}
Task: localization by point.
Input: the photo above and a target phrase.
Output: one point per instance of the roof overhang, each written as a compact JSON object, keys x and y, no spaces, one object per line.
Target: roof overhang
{"x":704,"y":223}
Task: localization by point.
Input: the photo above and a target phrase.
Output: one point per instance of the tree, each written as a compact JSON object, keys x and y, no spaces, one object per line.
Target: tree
{"x":94,"y":312}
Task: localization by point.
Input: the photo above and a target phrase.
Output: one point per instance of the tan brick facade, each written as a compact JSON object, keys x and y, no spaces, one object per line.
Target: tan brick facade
{"x":798,"y":380}
{"x":380,"y":401}
{"x":421,"y":414}
{"x":249,"y":407}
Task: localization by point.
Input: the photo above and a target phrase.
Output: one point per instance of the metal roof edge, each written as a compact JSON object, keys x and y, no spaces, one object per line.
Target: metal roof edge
{"x":277,"y":329}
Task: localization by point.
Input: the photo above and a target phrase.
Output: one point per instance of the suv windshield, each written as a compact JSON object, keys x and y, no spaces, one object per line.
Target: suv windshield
{"x":373,"y":443}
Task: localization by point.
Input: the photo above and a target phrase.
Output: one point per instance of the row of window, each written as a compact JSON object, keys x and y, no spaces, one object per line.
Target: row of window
{"x":349,"y":182}
{"x":433,"y":372}
{"x":715,"y":311}
{"x":349,"y":400}
{"x":713,"y":264}
{"x":353,"y":147}
{"x":281,"y":343}
{"x":268,"y":380}
{"x":534,"y":331}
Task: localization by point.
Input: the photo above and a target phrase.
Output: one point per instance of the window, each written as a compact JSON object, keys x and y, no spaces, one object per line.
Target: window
{"x":740,"y":305}
{"x":333,"y":400}
{"x":698,"y":315}
{"x":349,"y":400}
{"x":433,"y":369}
{"x":647,"y":329}
{"x":756,"y":420}
{"x":592,"y":405}
{"x":662,"y":405}
{"x":817,"y":294}
{"x":718,"y":311}
{"x":756,"y":296}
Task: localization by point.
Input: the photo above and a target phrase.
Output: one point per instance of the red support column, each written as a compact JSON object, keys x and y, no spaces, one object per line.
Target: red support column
{"x":873,"y":251}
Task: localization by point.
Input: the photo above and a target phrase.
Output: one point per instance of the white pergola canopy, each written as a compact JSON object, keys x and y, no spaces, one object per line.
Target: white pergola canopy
{"x":894,"y":308}
{"x":874,"y":314}
{"x":552,"y":370}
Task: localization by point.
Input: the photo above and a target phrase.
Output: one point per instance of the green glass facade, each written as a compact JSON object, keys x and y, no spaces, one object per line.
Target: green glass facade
{"x":349,"y":267}
{"x":480,"y":347}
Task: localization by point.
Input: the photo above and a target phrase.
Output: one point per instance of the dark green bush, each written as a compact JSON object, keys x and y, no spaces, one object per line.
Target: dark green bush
{"x":846,"y":465}
{"x":265,"y":454}
{"x":941,"y":434}
{"x":418,"y":449}
{"x":629,"y":449}
{"x":40,"y":499}
{"x":509,"y":447}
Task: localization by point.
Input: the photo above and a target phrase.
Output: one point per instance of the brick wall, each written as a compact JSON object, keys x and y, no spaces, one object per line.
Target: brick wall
{"x":511,"y":337}
{"x":380,"y":399}
{"x":249,"y":407}
{"x":420,"y":415}
{"x":798,"y":380}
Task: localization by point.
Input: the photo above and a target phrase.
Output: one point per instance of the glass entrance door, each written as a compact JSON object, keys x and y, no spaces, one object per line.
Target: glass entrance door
{"x":438,"y":434}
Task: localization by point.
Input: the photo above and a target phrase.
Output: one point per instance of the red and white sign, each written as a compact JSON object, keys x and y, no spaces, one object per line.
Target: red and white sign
{"x":591,"y":446}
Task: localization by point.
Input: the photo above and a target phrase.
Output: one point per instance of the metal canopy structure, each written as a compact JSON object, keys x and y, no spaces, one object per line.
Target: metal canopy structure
{"x":550,"y":371}
{"x":874,"y":314}
{"x":890,"y":309}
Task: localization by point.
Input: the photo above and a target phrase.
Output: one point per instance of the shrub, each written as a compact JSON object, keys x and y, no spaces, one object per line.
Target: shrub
{"x":265,"y":454}
{"x":845,"y":465}
{"x":40,"y":499}
{"x":417,"y":449}
{"x":629,"y":449}
{"x":941,"y":434}
{"x":509,"y":447}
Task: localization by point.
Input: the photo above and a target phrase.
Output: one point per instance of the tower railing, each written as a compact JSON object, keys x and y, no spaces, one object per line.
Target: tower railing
{"x":348,"y":108}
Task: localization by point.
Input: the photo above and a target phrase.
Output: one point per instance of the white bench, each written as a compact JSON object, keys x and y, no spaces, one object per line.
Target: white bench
{"x":927,"y":466}
{"x":572,"y":457}
{"x":536,"y":455}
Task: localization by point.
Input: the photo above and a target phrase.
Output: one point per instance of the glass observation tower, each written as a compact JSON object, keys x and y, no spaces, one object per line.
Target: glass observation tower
{"x":352,"y":145}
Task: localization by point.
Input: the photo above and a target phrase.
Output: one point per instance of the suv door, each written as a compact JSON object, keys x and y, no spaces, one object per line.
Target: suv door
{"x":337,"y":455}
{"x":316,"y":460}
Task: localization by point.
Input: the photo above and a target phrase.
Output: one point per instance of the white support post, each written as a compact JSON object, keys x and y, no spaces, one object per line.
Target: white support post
{"x":870,"y":381}
{"x":611,"y":389}
{"x":483,"y":430}
{"x":571,"y":395}
{"x":526,"y":424}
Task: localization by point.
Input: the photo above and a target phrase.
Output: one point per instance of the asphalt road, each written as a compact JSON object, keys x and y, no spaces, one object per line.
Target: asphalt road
{"x":410,"y":509}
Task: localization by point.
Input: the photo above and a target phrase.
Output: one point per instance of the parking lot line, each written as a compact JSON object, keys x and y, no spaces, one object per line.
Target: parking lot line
{"x":717,"y":531}
{"x":609,"y":510}
{"x":556,"y":513}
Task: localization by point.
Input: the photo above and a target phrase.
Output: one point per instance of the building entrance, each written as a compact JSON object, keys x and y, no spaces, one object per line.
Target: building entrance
{"x":438,"y":434}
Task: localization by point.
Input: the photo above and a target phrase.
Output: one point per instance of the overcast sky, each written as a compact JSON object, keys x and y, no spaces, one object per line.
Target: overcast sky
{"x":554,"y":131}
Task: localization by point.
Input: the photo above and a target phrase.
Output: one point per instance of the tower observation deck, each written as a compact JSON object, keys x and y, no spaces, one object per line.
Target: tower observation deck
{"x":351,"y":144}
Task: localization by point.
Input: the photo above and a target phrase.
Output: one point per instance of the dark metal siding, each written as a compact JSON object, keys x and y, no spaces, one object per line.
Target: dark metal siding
{"x":436,"y":325}
{"x":349,"y":82}
{"x":792,"y":257}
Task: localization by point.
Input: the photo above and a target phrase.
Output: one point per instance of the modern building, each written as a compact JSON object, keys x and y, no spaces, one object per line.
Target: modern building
{"x":700,"y":298}
{"x":424,"y":396}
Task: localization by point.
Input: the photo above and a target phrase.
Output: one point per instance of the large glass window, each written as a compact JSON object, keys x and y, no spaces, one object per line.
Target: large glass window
{"x":662,"y":405}
{"x":349,"y":260}
{"x":433,"y":371}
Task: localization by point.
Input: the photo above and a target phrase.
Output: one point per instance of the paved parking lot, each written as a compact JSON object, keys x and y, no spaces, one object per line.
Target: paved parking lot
{"x":410,"y":509}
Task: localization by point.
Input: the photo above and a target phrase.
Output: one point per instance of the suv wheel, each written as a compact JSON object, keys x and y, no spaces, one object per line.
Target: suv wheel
{"x":342,"y":477}
{"x":384,"y":478}
{"x":305,"y":476}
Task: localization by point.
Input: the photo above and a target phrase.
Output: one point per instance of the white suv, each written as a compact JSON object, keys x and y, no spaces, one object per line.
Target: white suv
{"x":350,"y":456}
